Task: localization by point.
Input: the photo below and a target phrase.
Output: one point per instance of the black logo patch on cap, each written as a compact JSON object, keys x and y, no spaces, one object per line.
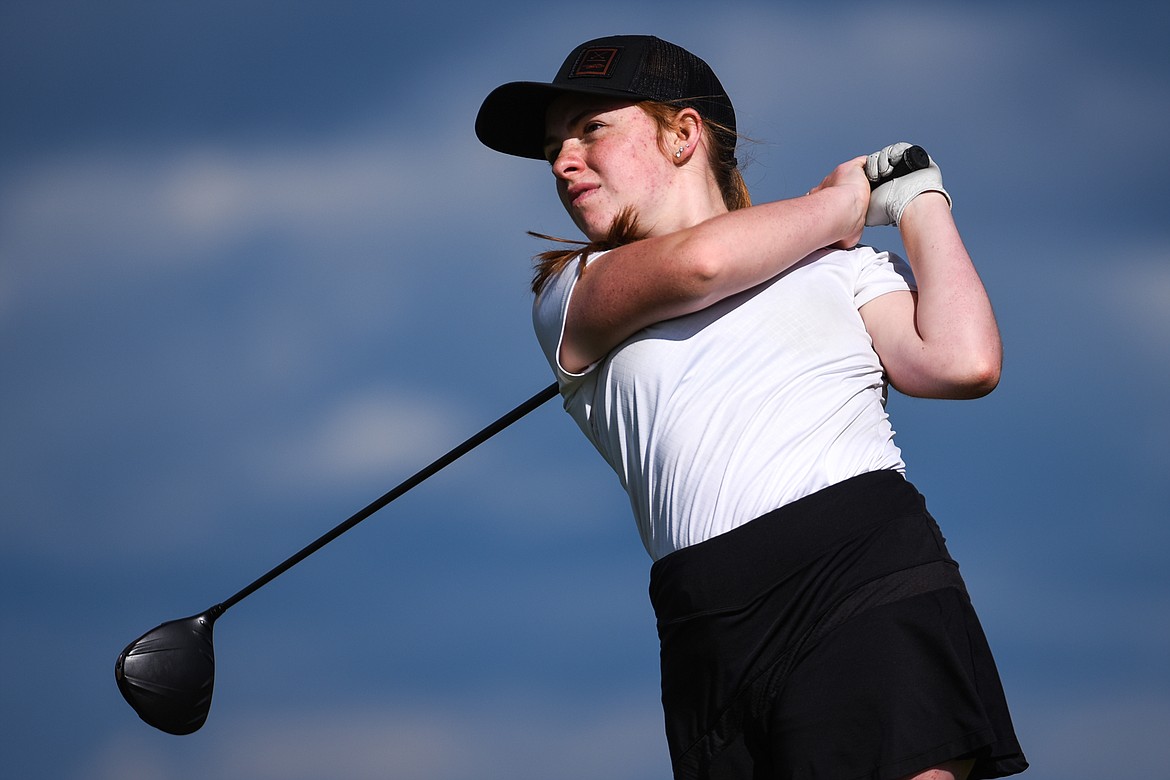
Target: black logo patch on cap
{"x":595,"y":62}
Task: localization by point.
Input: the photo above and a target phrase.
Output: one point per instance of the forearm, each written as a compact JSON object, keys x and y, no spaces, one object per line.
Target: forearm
{"x":953,"y":317}
{"x":741,"y":249}
{"x":672,"y":275}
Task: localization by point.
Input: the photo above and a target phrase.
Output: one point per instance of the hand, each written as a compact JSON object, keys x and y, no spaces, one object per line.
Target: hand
{"x":890,"y":199}
{"x":850,"y":178}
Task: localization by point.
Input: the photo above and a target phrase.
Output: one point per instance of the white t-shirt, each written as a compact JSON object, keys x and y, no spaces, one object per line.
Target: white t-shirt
{"x":718,"y":417}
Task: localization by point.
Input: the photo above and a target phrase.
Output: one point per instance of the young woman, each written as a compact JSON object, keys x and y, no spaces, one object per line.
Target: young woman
{"x":730,"y":361}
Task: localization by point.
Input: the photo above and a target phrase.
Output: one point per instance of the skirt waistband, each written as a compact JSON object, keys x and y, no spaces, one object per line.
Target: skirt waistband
{"x":725,"y":570}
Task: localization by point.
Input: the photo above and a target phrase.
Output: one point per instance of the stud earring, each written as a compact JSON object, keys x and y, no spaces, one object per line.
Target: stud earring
{"x":681,"y":149}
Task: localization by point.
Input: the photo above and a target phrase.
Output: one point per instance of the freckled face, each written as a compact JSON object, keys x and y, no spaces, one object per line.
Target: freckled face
{"x":606,"y":156}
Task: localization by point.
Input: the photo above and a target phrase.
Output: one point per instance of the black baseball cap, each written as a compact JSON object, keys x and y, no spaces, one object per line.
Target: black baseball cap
{"x":629,"y":67}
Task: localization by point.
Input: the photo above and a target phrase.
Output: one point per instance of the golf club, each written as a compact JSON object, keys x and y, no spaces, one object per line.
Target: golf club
{"x":167,"y":674}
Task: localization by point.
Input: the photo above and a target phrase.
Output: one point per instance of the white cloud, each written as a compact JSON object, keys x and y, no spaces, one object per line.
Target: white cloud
{"x":364,"y":436}
{"x":180,"y":205}
{"x":1139,"y":294}
{"x":96,"y":219}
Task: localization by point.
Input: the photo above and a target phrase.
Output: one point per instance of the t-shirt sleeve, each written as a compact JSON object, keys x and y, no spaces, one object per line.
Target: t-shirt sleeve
{"x":548,"y":318}
{"x":880,"y":273}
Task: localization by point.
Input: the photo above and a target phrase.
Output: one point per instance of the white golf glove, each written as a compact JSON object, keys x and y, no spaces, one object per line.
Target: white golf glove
{"x":889,"y":200}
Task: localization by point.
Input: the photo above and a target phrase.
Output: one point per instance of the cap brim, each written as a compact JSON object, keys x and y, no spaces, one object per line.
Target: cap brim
{"x":512,"y":118}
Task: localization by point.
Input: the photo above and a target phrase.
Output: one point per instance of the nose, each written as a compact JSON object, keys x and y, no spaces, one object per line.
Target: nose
{"x":568,"y":160}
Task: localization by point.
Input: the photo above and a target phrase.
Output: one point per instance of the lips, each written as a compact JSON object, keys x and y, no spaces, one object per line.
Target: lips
{"x":578,"y":191}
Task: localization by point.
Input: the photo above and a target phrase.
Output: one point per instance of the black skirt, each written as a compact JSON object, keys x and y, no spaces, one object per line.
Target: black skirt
{"x":832,"y":638}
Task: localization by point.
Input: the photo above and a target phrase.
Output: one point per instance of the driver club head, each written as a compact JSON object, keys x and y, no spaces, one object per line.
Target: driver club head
{"x":167,"y":674}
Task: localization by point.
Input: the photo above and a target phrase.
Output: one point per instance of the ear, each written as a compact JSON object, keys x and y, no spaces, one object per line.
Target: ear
{"x":688,"y":131}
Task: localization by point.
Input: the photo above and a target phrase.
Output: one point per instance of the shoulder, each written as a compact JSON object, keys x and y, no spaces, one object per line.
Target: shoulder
{"x":550,"y":309}
{"x":552,"y":299}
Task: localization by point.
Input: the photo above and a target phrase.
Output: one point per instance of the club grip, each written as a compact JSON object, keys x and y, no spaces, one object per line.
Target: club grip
{"x":913,"y":159}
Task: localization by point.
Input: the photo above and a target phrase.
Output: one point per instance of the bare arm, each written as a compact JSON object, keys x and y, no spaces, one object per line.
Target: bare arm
{"x":942,"y":342}
{"x":667,"y":276}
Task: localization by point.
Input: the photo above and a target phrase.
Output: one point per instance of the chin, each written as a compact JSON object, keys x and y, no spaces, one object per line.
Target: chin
{"x":595,"y":227}
{"x":593,"y":232}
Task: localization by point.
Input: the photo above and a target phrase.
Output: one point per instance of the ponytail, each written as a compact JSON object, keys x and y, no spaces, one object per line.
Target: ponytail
{"x":624,"y":230}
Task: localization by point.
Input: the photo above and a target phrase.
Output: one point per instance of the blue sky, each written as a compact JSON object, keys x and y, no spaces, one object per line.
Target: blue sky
{"x":255,"y":269}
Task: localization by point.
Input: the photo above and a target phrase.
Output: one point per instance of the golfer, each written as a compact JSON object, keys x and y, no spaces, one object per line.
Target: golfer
{"x":730,"y":362}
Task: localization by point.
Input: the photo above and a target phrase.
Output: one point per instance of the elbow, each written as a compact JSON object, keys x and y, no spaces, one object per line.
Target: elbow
{"x":949,"y":380}
{"x":975,"y":368}
{"x":978,"y":378}
{"x":987,"y":369}
{"x":982,"y":382}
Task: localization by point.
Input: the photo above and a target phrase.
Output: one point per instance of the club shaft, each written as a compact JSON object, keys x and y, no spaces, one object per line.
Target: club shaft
{"x":423,"y":474}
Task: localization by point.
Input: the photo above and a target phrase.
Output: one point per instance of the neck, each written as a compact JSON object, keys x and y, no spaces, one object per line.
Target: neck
{"x":696,"y":199}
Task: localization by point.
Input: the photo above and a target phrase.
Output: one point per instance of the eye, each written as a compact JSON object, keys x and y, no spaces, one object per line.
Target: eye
{"x":591,"y":126}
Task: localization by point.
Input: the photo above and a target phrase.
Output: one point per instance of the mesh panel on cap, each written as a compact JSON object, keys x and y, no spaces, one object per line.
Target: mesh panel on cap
{"x":670,"y":73}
